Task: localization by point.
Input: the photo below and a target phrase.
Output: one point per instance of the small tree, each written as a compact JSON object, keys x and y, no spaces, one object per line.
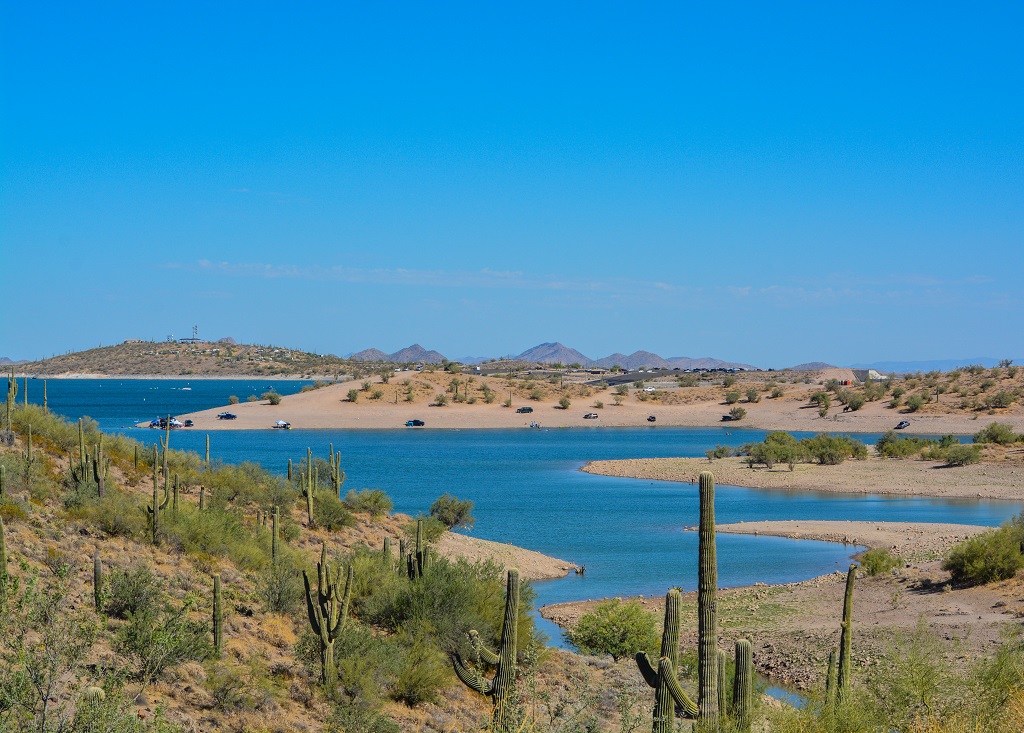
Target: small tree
{"x":619,"y":628}
{"x":272,"y":397}
{"x":452,"y":511}
{"x":440,"y":399}
{"x":737,"y":413}
{"x":732,"y":397}
{"x":753,"y":395}
{"x":564,"y":403}
{"x":353,"y":395}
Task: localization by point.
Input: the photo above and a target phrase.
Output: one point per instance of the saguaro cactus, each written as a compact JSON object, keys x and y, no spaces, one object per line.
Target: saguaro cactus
{"x":12,"y":395}
{"x":743,"y":685}
{"x":218,"y":618}
{"x":830,"y":678}
{"x":275,"y":535}
{"x":707,"y":587}
{"x":337,"y":475}
{"x":46,"y":401}
{"x":723,"y":700}
{"x":845,"y":640}
{"x":501,"y":689}
{"x":97,"y":581}
{"x":418,"y":562}
{"x":3,"y":554}
{"x":309,"y":488}
{"x":667,"y":691}
{"x":327,"y":609}
{"x":100,"y":468}
{"x":3,"y":481}
{"x":157,"y":507}
{"x":207,"y":460}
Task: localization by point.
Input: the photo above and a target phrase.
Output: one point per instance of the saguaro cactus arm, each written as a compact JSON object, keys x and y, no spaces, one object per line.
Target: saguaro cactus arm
{"x":472,"y":678}
{"x":667,"y":672}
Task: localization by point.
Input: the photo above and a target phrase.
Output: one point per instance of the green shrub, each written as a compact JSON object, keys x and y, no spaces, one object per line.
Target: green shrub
{"x":879,"y":560}
{"x":855,"y":401}
{"x":830,"y":450}
{"x":564,"y":403}
{"x":619,"y":628}
{"x":732,"y":396}
{"x":252,"y":398}
{"x":453,"y":512}
{"x":279,"y":586}
{"x":233,"y":400}
{"x":131,"y":591}
{"x":272,"y":397}
{"x":425,"y":671}
{"x":216,"y":532}
{"x":962,"y":455}
{"x":433,"y":528}
{"x":777,"y":392}
{"x":990,"y":556}
{"x":353,"y":395}
{"x":753,"y":395}
{"x":440,"y":399}
{"x":997,"y":433}
{"x":348,"y":717}
{"x":330,"y":512}
{"x":737,"y":413}
{"x":374,"y":502}
{"x":158,"y":640}
{"x":915,"y":402}
{"x":719,"y":451}
{"x":893,"y":445}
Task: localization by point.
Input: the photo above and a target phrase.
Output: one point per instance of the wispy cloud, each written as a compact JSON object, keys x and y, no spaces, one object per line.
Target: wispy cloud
{"x":483,"y":278}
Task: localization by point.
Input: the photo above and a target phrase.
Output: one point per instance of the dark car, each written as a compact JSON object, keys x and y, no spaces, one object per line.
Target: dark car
{"x":903,"y":424}
{"x":525,"y":409}
{"x":226,"y":416}
{"x":414,"y":423}
{"x":590,"y":416}
{"x":651,"y":418}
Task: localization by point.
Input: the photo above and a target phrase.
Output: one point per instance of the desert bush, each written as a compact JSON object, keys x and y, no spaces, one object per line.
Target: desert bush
{"x":279,"y":586}
{"x":233,"y":400}
{"x":130,"y":591}
{"x":737,"y":413}
{"x":425,"y":671}
{"x":855,"y":401}
{"x":374,"y":502}
{"x":117,"y":514}
{"x":962,"y":455}
{"x":732,"y":396}
{"x":1001,"y":399}
{"x":997,"y":433}
{"x":272,"y":397}
{"x":821,"y":399}
{"x":330,"y":512}
{"x":993,"y":555}
{"x":252,"y":398}
{"x":215,"y":532}
{"x":619,"y":628}
{"x":376,"y":394}
{"x":452,"y":511}
{"x":777,"y":392}
{"x":347,"y":717}
{"x":440,"y":399}
{"x":353,"y":395}
{"x":564,"y":403}
{"x":830,"y":450}
{"x":753,"y":395}
{"x":893,"y":445}
{"x":598,"y":404}
{"x":729,"y":381}
{"x":879,"y":560}
{"x":915,"y":402}
{"x":156,"y":640}
{"x":719,"y":451}
{"x":688,"y":380}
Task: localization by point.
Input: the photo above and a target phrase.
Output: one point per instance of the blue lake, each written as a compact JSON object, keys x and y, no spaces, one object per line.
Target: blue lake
{"x":528,"y":490}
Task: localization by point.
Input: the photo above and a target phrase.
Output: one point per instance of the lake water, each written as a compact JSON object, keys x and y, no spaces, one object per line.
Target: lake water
{"x":527,"y":488}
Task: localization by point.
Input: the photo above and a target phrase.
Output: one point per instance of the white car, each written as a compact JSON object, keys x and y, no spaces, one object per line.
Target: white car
{"x":650,"y":389}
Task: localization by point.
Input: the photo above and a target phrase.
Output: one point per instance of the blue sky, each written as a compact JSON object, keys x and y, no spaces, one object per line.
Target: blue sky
{"x":768,"y":183}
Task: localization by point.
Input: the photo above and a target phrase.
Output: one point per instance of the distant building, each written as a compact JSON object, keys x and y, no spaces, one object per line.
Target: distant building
{"x":868,"y":375}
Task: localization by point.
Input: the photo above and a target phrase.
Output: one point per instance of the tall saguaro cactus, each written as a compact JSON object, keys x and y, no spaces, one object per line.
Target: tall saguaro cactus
{"x":667,"y":692}
{"x":12,"y":395}
{"x":218,"y":618}
{"x":97,"y":581}
{"x":309,"y":488}
{"x":337,"y":475}
{"x":846,"y":636}
{"x":275,"y":534}
{"x":707,"y":588}
{"x":3,"y":556}
{"x":327,"y":610}
{"x":157,"y":507}
{"x":501,"y":689}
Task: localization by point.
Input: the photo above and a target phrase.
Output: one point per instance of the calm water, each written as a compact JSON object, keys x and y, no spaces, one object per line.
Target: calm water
{"x":527,"y":488}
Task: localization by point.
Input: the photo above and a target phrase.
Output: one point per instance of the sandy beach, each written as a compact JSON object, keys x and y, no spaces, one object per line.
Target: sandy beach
{"x":329,"y":407}
{"x":986,"y":480}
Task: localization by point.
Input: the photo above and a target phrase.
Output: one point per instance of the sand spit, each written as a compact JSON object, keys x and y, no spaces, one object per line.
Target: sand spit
{"x":986,"y":480}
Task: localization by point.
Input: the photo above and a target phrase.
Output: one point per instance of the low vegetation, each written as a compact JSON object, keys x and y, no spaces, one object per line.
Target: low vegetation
{"x":993,"y":555}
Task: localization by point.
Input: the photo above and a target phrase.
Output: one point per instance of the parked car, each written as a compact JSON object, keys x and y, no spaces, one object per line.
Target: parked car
{"x":590,"y":416}
{"x":651,"y":418}
{"x":414,"y":423}
{"x":902,"y":424}
{"x":525,"y":409}
{"x":226,"y":416}
{"x":650,"y":389}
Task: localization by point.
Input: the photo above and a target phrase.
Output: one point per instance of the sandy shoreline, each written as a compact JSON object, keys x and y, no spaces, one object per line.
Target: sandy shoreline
{"x":986,"y":480}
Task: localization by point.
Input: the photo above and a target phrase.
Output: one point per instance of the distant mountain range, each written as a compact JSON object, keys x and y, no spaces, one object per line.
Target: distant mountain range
{"x":557,"y":353}
{"x":812,"y":366}
{"x":942,"y":365}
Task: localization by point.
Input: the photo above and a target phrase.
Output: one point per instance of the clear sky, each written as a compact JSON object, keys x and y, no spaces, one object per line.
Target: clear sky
{"x":766,"y":182}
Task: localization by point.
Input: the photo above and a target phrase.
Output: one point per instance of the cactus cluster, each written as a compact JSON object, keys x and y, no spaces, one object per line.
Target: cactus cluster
{"x":713,"y":702}
{"x":337,"y":474}
{"x":91,"y":469}
{"x":501,"y":689}
{"x":837,"y":679}
{"x":417,"y":562}
{"x":327,"y":610}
